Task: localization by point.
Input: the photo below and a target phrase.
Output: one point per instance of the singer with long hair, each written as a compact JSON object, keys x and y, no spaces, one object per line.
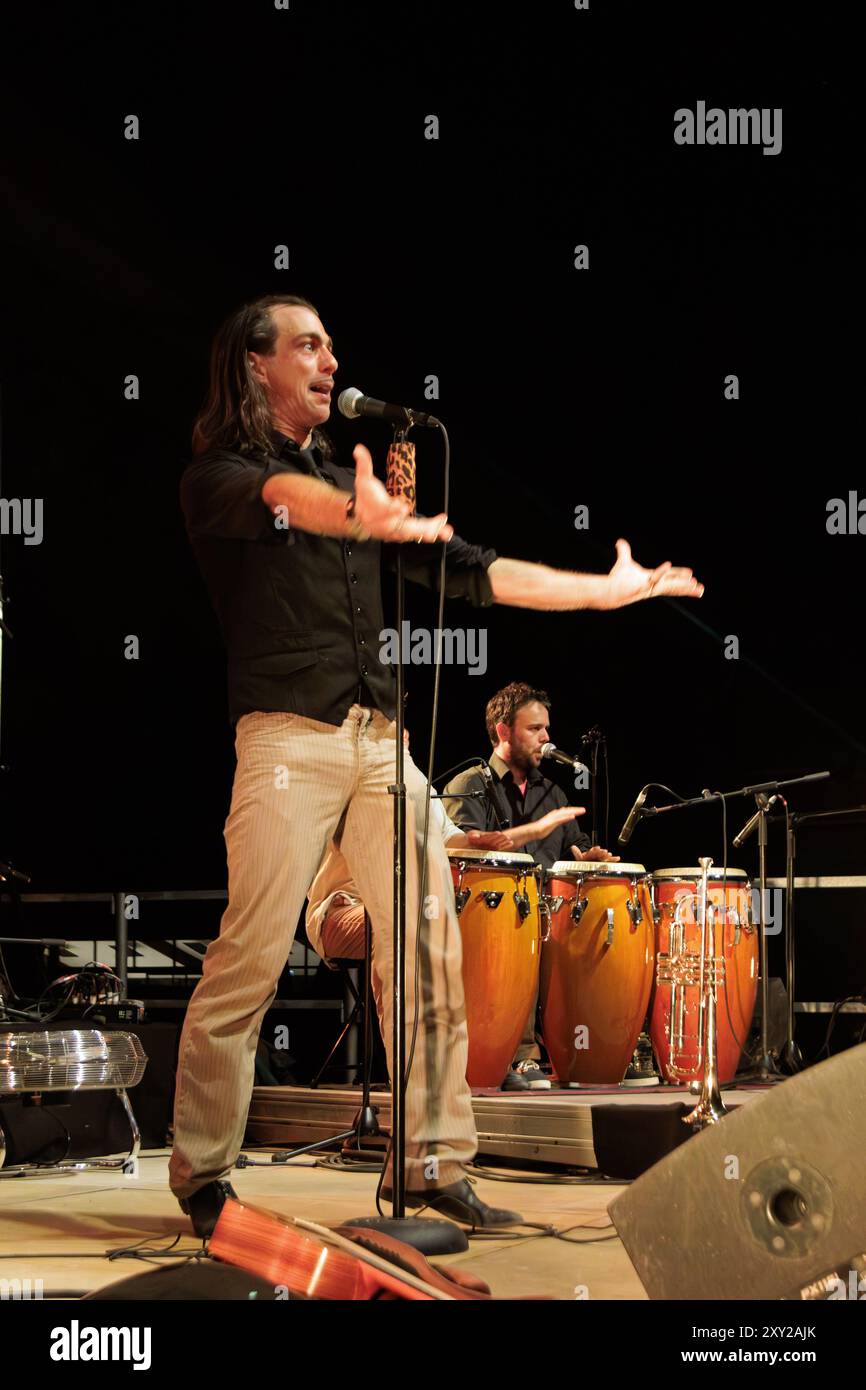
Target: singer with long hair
{"x":289,"y":543}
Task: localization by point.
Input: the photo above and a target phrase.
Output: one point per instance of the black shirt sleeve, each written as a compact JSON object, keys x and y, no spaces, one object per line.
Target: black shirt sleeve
{"x":221,"y":496}
{"x":466,"y":569}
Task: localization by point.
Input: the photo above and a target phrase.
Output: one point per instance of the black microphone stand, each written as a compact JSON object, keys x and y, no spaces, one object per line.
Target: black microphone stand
{"x":483,"y":770}
{"x":365,"y":1124}
{"x":791,"y":1056}
{"x":426,"y":1234}
{"x":595,"y":738}
{"x":766,"y":1069}
{"x":487,"y":779}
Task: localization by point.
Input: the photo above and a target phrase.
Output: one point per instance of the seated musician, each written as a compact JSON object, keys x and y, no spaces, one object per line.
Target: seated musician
{"x":517,"y":719}
{"x":335,"y":912}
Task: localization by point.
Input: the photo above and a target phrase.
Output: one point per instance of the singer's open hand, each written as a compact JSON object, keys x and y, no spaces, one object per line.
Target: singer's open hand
{"x":387,"y":518}
{"x":596,"y":853}
{"x":629,"y":582}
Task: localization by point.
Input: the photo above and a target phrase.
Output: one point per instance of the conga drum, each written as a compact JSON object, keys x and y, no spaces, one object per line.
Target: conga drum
{"x":677,"y":1008}
{"x":596,"y":967}
{"x":497,"y":907}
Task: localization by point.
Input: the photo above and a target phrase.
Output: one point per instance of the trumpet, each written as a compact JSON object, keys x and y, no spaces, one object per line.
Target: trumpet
{"x":682,"y":970}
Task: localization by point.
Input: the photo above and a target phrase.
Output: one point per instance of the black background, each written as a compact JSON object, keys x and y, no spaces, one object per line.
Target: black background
{"x":559,"y":388}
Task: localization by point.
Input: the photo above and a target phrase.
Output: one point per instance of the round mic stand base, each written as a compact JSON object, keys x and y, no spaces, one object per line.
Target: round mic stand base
{"x":764,"y":1069}
{"x":429,"y":1237}
{"x":792,"y":1058}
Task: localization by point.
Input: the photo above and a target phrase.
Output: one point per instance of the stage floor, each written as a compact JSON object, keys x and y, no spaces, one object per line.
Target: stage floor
{"x":63,"y":1229}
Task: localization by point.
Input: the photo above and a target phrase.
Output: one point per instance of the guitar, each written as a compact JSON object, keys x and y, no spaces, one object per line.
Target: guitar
{"x":350,"y":1263}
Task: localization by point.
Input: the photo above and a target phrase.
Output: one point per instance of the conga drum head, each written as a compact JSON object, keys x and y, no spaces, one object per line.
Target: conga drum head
{"x":590,"y":868}
{"x":676,"y":1012}
{"x":497,"y":906}
{"x":714,"y":875}
{"x":489,"y":856}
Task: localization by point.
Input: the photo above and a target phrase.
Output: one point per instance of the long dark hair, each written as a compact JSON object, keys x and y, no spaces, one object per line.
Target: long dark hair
{"x":235,"y":414}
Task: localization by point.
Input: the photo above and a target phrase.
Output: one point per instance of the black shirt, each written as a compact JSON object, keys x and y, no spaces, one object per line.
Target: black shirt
{"x":542,"y":795}
{"x":301,"y":614}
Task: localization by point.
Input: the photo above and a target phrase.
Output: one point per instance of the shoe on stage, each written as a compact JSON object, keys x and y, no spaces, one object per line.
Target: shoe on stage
{"x":526,"y":1076}
{"x":204,"y":1206}
{"x":460,"y":1202}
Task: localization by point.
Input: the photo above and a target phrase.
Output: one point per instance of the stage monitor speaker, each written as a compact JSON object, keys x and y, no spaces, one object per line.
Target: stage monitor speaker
{"x":198,"y":1280}
{"x":764,"y":1203}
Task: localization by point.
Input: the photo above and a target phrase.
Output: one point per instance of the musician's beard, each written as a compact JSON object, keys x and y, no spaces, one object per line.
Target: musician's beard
{"x":522,"y":762}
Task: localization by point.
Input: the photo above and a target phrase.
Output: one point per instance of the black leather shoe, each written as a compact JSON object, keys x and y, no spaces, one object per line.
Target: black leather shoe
{"x":205,"y":1205}
{"x":460,"y":1202}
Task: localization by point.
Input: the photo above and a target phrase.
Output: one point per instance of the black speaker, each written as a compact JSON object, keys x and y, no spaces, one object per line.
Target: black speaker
{"x":199,"y":1280}
{"x":762,"y":1204}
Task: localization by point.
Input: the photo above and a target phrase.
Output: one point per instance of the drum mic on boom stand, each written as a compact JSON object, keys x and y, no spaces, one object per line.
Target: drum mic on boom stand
{"x":750,"y":824}
{"x":487,"y":778}
{"x":634,"y":816}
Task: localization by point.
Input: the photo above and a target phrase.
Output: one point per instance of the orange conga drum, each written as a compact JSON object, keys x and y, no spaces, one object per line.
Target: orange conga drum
{"x":497,"y":906}
{"x":676,"y":1012}
{"x":596,"y":968}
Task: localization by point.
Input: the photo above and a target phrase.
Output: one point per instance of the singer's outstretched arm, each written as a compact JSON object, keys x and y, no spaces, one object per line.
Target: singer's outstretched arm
{"x":315,"y":506}
{"x":521,"y":584}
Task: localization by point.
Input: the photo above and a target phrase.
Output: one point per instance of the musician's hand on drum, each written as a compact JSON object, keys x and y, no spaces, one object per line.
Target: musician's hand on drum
{"x":596,"y":853}
{"x":629,"y":582}
{"x":485,"y":839}
{"x":545,"y":824}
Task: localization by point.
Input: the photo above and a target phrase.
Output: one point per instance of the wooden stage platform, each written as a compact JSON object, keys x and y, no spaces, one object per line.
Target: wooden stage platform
{"x":541,"y":1126}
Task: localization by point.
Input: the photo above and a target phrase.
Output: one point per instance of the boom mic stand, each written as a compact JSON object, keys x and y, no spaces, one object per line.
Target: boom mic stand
{"x":766,"y":1068}
{"x":483,"y":770}
{"x":791,"y":1056}
{"x":595,"y":740}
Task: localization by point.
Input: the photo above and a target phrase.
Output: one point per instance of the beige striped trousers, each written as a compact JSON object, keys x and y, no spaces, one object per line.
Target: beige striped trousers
{"x":297,"y":782}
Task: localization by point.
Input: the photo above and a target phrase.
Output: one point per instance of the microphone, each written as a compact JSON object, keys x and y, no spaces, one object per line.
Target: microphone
{"x":753,"y":821}
{"x":551,"y":751}
{"x":487,"y":778}
{"x":633,"y":817}
{"x":353,"y":403}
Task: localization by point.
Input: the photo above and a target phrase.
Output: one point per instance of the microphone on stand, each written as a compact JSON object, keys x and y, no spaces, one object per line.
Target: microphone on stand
{"x":753,"y":821}
{"x":487,"y":778}
{"x":551,"y":751}
{"x":633,"y":817}
{"x":353,"y":403}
